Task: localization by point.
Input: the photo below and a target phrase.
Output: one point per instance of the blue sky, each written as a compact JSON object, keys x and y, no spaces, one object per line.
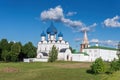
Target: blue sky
{"x":21,"y":20}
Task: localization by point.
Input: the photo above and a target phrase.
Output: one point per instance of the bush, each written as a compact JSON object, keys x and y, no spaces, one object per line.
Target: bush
{"x":98,"y":66}
{"x":114,"y":66}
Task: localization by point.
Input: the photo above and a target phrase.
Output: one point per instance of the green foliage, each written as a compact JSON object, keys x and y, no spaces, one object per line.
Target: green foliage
{"x":114,"y":66}
{"x":98,"y":66}
{"x":14,"y":51}
{"x":3,"y":46}
{"x":5,"y":55}
{"x":53,"y":54}
{"x":29,"y":50}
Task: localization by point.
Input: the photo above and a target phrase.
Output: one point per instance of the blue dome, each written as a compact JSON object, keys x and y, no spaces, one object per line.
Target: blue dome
{"x":60,"y":35}
{"x":52,"y":33}
{"x":43,"y":34}
{"x":51,"y":29}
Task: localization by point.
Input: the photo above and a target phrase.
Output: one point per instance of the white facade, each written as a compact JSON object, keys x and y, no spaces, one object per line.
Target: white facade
{"x":105,"y":54}
{"x":46,"y":44}
{"x":94,"y":53}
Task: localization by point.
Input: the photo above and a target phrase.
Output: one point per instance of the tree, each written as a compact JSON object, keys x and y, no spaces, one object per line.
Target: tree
{"x":98,"y":66}
{"x":9,"y":45}
{"x":118,"y":51}
{"x":5,"y":56}
{"x":29,"y":50}
{"x":114,"y":66}
{"x":53,"y":54}
{"x":3,"y":46}
{"x":15,"y":51}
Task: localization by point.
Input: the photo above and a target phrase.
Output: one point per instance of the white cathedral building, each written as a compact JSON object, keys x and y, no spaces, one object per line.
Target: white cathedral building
{"x":87,"y":53}
{"x":49,"y":39}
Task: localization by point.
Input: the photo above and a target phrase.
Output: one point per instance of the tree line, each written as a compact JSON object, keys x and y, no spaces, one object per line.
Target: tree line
{"x":15,"y":51}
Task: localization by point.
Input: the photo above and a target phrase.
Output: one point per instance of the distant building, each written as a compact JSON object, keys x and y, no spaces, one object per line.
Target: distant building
{"x":107,"y":54}
{"x":94,"y":52}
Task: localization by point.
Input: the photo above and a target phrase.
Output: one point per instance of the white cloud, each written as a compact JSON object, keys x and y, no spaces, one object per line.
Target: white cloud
{"x":105,"y":42}
{"x":78,"y":39}
{"x":112,"y":22}
{"x":56,"y":14}
{"x":109,"y":42}
{"x":52,"y":14}
{"x":71,"y":13}
{"x":88,"y":28}
{"x":72,"y":23}
{"x":94,"y":41}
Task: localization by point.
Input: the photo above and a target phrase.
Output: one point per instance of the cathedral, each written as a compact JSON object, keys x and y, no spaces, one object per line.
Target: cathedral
{"x":49,"y":39}
{"x":87,"y":52}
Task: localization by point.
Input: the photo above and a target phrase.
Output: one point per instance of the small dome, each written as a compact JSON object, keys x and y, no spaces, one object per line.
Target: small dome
{"x":43,"y":34}
{"x":51,"y":29}
{"x":60,"y":35}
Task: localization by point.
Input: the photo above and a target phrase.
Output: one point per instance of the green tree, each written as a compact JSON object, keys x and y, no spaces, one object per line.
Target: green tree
{"x":3,"y":46}
{"x":114,"y":66}
{"x":53,"y":54}
{"x":15,"y":51}
{"x":98,"y":66}
{"x":29,"y":50}
{"x":5,"y":56}
{"x":9,"y":45}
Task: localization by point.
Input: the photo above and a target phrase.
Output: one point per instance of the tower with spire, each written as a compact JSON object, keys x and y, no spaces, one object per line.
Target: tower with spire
{"x":85,"y":42}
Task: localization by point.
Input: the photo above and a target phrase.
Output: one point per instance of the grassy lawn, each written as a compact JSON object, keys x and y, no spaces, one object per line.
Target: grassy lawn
{"x":50,"y":71}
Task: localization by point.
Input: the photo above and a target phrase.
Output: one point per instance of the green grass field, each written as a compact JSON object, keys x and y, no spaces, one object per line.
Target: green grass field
{"x":51,"y":71}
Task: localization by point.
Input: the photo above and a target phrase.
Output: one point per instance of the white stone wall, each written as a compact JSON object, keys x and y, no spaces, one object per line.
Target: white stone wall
{"x":80,"y":57}
{"x":106,"y":55}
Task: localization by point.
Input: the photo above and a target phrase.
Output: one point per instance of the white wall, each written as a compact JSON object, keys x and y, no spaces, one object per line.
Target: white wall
{"x":80,"y":57}
{"x":35,"y":60}
{"x":106,"y":55}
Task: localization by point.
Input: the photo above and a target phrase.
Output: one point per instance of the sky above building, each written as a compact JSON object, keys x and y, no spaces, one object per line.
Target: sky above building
{"x":24,"y":20}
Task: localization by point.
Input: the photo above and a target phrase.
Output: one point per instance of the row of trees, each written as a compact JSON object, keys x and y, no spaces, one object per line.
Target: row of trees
{"x":15,"y":51}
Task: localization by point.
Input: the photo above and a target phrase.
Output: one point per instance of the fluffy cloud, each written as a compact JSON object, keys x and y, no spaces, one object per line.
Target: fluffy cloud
{"x":94,"y":41}
{"x":56,"y":14}
{"x":52,"y":14}
{"x":88,"y":28}
{"x":105,"y":42}
{"x":112,"y":22}
{"x":71,"y":13}
{"x":71,"y":23}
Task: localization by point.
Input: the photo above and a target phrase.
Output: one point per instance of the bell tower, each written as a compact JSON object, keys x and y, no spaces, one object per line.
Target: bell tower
{"x":85,"y":42}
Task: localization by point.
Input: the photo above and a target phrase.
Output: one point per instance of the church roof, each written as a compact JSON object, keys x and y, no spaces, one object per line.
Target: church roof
{"x":101,"y":47}
{"x":60,"y":35}
{"x":44,"y":54}
{"x":63,"y":50}
{"x":43,"y":34}
{"x":51,"y":29}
